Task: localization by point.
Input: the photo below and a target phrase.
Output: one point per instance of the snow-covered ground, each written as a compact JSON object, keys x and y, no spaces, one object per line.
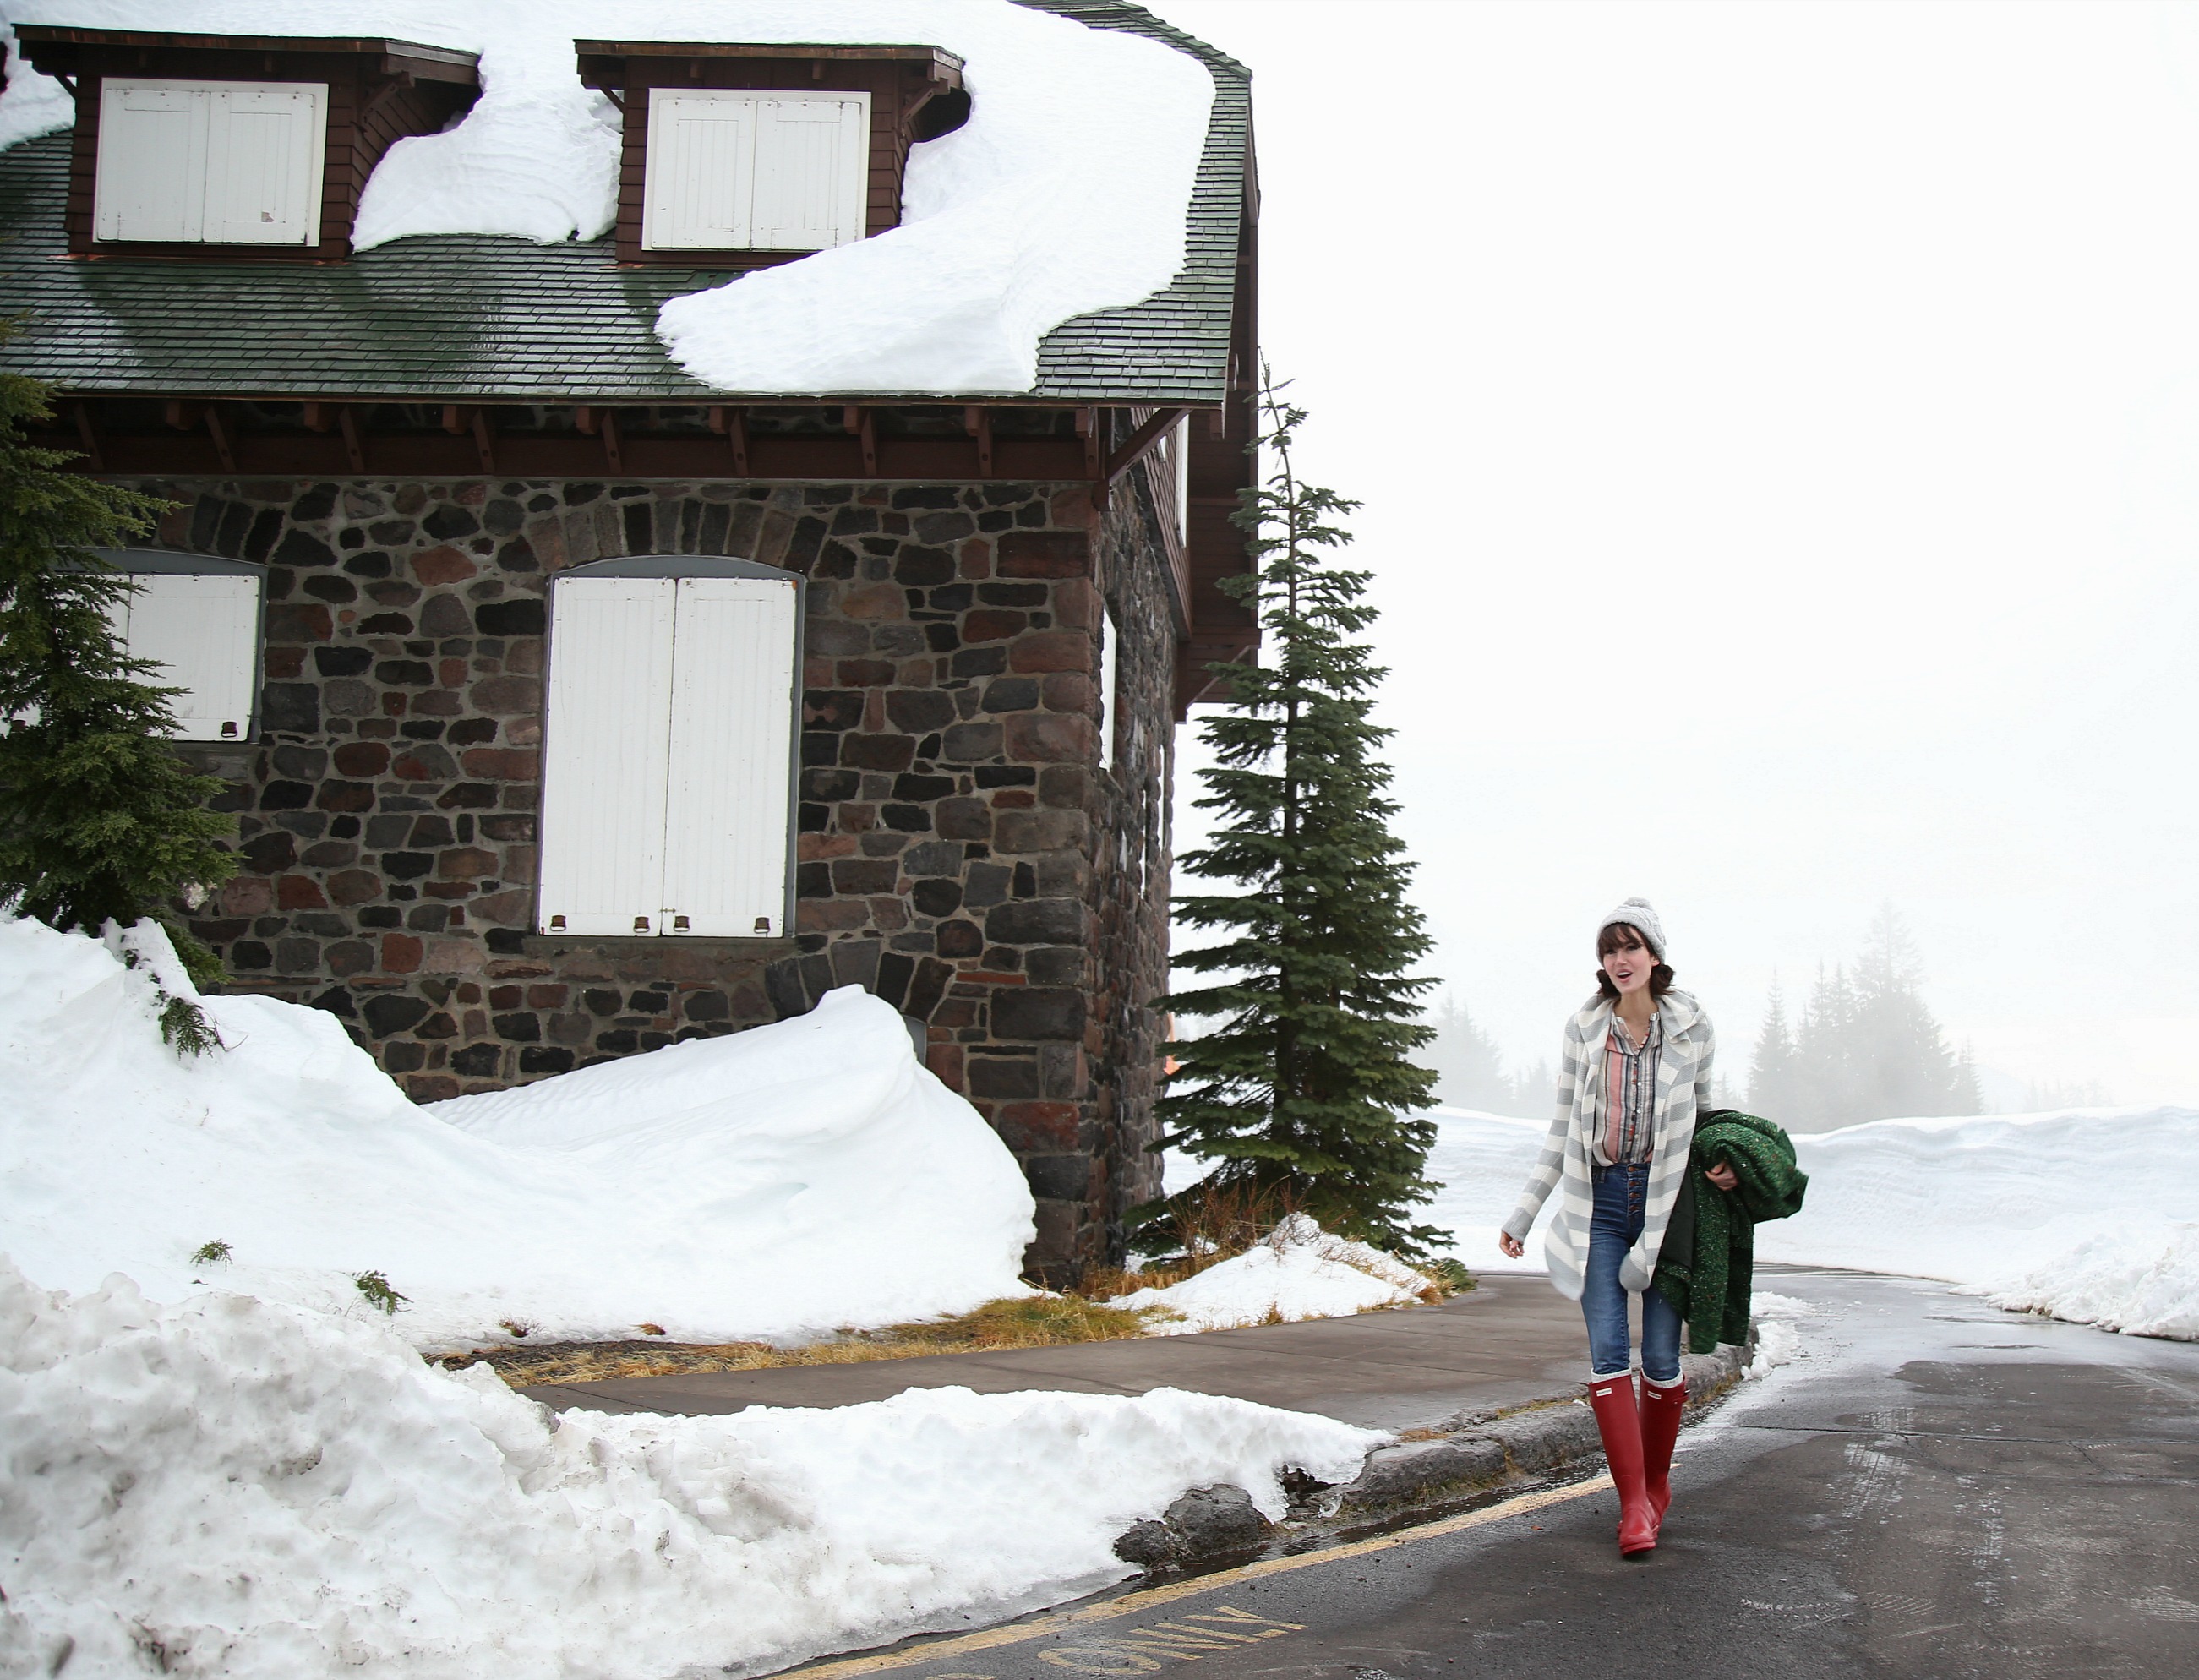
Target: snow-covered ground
{"x":1010,"y":225}
{"x":1299,"y":1272}
{"x":775,"y":1184}
{"x":237,"y":1487}
{"x":2084,"y":1214}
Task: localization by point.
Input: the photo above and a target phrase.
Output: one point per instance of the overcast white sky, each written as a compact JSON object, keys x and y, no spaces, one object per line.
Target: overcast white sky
{"x":1778,"y":426}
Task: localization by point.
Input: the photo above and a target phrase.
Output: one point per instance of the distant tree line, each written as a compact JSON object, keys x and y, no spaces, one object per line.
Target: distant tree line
{"x":1470,"y":1070}
{"x":1864,"y":1048}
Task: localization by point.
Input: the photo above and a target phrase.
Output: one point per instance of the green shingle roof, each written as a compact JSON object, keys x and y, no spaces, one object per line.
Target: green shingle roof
{"x":467,"y":316}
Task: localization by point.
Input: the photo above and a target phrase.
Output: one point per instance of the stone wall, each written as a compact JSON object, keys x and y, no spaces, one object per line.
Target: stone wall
{"x":961,"y":852}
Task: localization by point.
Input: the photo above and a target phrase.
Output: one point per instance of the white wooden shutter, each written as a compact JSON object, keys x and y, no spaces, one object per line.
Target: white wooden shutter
{"x":734,"y":169}
{"x":236,"y":163}
{"x":202,"y":629}
{"x":149,"y":179}
{"x":733,"y":720}
{"x":606,"y":741}
{"x":813,"y":171}
{"x":696,"y":177}
{"x":264,"y":142}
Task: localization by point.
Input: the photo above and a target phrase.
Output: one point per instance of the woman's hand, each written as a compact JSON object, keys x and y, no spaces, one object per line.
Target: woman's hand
{"x":1511,"y":1246}
{"x":1722,"y":1176}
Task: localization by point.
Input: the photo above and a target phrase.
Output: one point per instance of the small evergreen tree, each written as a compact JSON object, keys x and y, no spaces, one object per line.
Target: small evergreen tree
{"x":100,"y":819}
{"x":1304,"y":1085}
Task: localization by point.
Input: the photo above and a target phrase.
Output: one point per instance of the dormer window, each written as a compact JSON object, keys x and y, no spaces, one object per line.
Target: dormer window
{"x":230,"y":163}
{"x":740,"y":157}
{"x":735,"y":170}
{"x":235,"y":146}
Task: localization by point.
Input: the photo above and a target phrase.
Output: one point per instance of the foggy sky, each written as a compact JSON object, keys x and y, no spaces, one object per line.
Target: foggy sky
{"x":1778,"y":426}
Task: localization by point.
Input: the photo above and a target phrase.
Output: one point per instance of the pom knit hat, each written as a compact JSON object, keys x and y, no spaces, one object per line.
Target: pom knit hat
{"x":1636,"y":913}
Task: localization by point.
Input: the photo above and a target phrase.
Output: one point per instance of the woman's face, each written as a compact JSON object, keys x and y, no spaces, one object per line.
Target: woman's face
{"x":1630,"y":965}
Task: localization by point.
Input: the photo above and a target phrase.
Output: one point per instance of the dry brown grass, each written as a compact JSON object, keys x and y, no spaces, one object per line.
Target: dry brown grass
{"x":1221,"y":1224}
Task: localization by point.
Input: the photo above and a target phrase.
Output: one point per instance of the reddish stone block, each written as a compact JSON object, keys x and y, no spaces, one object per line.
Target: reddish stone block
{"x":876,"y":752}
{"x":249,"y":895}
{"x":1049,"y":737}
{"x":1067,"y":691}
{"x":504,"y":696}
{"x":815,"y":848}
{"x":1037,"y":1127}
{"x":1014,"y":799}
{"x":442,"y":565}
{"x":945,"y":1061}
{"x":502,"y":764}
{"x":504,"y":997}
{"x":828,"y":915}
{"x":503,"y":909}
{"x":345,"y":796}
{"x":875,"y":600}
{"x":993,"y":624}
{"x":466,"y":863}
{"x":1077,"y":605}
{"x":299,"y":892}
{"x":547,"y":997}
{"x":864,"y":673}
{"x":362,"y":758}
{"x":1051,"y":650}
{"x":1044,"y":554}
{"x":1072,"y":507}
{"x":400,"y":954}
{"x":348,"y":957}
{"x":429,"y":1087}
{"x":451,"y":672}
{"x":299,"y":621}
{"x":976,"y":558}
{"x":890,"y":915}
{"x":282,"y":664}
{"x":355,"y":886}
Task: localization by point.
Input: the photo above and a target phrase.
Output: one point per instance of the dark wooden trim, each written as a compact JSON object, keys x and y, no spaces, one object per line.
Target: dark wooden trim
{"x":1134,"y":447}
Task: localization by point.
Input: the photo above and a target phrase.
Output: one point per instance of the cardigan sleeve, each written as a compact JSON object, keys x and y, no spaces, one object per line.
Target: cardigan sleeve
{"x":1542,"y":1177}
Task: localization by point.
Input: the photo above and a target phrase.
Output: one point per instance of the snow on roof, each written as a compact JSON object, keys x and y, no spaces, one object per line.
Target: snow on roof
{"x":1066,"y":192}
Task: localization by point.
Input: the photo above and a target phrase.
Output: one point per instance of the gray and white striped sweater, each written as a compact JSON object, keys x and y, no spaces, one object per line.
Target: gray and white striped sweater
{"x":1684,"y":1090}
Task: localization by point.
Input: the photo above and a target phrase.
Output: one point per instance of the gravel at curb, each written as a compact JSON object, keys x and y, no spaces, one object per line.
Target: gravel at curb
{"x":1481,"y":1458}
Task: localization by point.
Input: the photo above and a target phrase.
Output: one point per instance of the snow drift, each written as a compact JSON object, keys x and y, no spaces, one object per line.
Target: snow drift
{"x":1010,"y":225}
{"x":240,"y":1488}
{"x":2067,"y":1213}
{"x":1298,"y":1271}
{"x":773,"y":1184}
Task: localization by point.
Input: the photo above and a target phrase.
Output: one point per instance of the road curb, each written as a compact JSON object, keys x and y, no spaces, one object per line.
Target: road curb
{"x":1480,"y":1458}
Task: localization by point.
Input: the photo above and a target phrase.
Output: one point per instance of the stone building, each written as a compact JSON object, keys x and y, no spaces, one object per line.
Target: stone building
{"x":568,"y":706}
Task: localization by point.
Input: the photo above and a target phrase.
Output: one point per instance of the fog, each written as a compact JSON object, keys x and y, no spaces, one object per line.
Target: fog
{"x":1778,"y":427}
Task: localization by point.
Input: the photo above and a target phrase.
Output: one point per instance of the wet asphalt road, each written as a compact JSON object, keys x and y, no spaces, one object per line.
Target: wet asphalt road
{"x":1932,"y":1489}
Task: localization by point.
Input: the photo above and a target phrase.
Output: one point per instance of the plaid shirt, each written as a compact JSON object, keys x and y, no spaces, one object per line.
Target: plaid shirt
{"x":1630,"y":1095}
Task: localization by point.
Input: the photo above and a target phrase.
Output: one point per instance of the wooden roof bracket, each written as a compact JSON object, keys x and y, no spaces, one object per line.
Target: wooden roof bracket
{"x":977,"y":422}
{"x":733,"y":423}
{"x":224,"y":445}
{"x":87,"y":428}
{"x":1136,"y":445}
{"x":864,"y":423}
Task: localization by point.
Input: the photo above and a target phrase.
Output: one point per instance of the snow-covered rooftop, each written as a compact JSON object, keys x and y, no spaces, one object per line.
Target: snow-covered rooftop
{"x":1066,"y":193}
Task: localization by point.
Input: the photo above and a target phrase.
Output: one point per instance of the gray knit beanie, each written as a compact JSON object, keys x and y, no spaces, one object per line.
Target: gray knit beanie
{"x":1636,"y":913}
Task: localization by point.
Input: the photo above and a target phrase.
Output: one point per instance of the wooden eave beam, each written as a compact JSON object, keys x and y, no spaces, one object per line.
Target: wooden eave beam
{"x":1135,"y":447}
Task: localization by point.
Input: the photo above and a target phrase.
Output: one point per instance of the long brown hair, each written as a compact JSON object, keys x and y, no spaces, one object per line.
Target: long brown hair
{"x":1615,"y":936}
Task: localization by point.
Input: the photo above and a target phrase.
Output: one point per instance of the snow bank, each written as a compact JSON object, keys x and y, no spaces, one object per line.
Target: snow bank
{"x":237,"y":1487}
{"x":1298,"y":1271}
{"x":1016,"y":222}
{"x":773,"y":1184}
{"x":1778,"y":1335}
{"x":2141,"y":1282}
{"x":2069,"y":1213}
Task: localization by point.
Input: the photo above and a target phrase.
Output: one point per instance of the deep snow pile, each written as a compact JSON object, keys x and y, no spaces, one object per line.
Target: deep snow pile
{"x":1014,"y":222}
{"x":775,"y":1183}
{"x":237,"y":1487}
{"x":1297,"y":1271}
{"x":2142,"y":1282}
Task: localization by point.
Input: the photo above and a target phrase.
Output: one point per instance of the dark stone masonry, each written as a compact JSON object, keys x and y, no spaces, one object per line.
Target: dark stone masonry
{"x":963,"y":852}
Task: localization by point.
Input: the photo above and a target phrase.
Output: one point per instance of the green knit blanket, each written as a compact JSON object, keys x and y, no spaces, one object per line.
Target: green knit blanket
{"x":1707,"y":1266}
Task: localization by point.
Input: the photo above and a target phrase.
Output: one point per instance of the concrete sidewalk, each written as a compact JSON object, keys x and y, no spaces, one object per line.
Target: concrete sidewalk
{"x":1511,"y":1340}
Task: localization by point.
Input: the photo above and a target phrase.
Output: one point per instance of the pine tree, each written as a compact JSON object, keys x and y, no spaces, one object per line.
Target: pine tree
{"x":1469,"y":1067}
{"x":1304,"y":1086}
{"x":1772,"y":1072}
{"x":100,"y":819}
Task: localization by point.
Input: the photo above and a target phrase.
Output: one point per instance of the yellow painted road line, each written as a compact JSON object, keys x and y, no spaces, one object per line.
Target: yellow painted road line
{"x":1131,"y":1604}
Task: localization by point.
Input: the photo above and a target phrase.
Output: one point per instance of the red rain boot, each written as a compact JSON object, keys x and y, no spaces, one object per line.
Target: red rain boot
{"x":1661,"y":1407}
{"x":1620,"y":1425}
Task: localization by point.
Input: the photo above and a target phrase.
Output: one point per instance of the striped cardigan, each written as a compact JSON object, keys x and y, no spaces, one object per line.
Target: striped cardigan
{"x":1684,"y":1090}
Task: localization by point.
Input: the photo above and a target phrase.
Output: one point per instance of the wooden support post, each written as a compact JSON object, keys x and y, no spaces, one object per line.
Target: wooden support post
{"x":354,"y":445}
{"x":179,"y":418}
{"x":611,"y":451}
{"x":454,"y":419}
{"x":864,"y":423}
{"x":484,"y":440}
{"x":978,"y":422}
{"x":585,"y":418}
{"x":87,"y":429}
{"x":316,"y":417}
{"x":223,"y":450}
{"x":1087,"y":428}
{"x":1156,"y":427}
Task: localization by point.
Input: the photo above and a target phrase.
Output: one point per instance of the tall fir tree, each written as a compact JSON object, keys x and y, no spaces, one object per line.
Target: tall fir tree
{"x":100,"y":819}
{"x":1304,"y":1084}
{"x":1771,"y":1070}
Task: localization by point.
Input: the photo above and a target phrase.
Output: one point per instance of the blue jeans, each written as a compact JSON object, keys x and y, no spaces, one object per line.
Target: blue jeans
{"x":1622,"y":1195}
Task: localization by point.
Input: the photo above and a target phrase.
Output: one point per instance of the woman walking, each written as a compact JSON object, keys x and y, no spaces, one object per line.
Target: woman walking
{"x":1635,"y":1073}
